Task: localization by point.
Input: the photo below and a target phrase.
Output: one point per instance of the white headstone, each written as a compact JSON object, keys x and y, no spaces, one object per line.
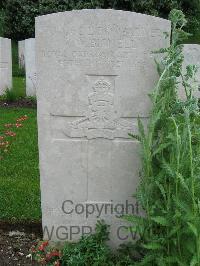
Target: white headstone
{"x":191,"y":54}
{"x":5,"y":65}
{"x":95,"y":70}
{"x":21,"y":53}
{"x":30,"y":67}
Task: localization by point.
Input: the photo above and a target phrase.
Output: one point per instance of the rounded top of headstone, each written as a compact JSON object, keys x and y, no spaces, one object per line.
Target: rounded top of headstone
{"x":192,"y":45}
{"x":29,"y":39}
{"x":2,"y":38}
{"x":100,"y":12}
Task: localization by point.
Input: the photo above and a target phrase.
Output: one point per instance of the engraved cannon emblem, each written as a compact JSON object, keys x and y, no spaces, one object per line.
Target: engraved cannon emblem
{"x":102,"y":120}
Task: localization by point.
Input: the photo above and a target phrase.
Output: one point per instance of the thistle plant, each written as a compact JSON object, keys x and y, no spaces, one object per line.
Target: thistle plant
{"x":169,"y":191}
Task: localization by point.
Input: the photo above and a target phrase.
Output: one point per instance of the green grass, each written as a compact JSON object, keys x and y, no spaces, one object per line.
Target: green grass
{"x":18,"y":90}
{"x":19,"y":86}
{"x":15,"y":66}
{"x":19,"y":173}
{"x":17,"y":72}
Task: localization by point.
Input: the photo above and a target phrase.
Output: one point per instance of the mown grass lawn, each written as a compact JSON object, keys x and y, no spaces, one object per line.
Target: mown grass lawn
{"x":19,"y":84}
{"x":19,"y":173}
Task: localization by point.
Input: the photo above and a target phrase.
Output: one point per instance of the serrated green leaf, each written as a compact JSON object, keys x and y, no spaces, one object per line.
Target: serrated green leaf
{"x":160,"y":220}
{"x":162,"y":190}
{"x":152,"y":246}
{"x":194,"y":261}
{"x":161,"y":148}
{"x":137,"y":137}
{"x":193,"y":229}
{"x":141,"y":129}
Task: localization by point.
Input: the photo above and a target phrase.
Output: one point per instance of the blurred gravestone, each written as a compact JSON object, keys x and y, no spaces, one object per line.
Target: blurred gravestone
{"x":31,"y":76}
{"x":21,"y":53}
{"x":191,"y":54}
{"x":5,"y":65}
{"x":95,"y":70}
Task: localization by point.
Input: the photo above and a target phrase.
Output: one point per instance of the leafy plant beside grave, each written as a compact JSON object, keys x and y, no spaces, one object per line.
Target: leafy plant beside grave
{"x":9,"y":96}
{"x":169,"y":191}
{"x":90,"y":250}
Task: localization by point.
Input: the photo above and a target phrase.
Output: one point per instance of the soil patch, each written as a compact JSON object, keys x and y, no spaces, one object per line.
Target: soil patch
{"x":16,"y":241}
{"x":23,"y":102}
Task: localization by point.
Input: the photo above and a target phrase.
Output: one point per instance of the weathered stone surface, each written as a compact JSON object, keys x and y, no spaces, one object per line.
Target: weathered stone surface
{"x":5,"y":65}
{"x":31,"y":75}
{"x":95,"y":70}
{"x":21,"y":53}
{"x":191,"y":54}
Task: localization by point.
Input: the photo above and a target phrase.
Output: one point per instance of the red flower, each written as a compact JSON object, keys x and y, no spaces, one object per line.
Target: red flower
{"x":2,"y":144}
{"x":18,"y":125}
{"x":43,"y":245}
{"x":57,"y":263}
{"x":10,"y":133}
{"x":41,"y":248}
{"x":8,"y":125}
{"x":22,"y":118}
{"x":49,"y":256}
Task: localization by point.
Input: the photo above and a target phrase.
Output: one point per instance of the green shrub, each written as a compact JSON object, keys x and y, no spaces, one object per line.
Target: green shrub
{"x":94,"y":250}
{"x":90,"y":250}
{"x":170,"y":187}
{"x":10,"y":96}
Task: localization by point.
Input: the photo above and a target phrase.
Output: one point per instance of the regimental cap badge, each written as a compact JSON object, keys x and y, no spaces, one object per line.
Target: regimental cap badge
{"x":101,"y":92}
{"x":101,"y":86}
